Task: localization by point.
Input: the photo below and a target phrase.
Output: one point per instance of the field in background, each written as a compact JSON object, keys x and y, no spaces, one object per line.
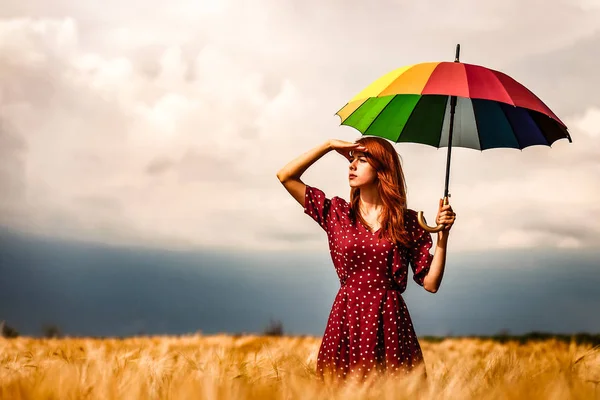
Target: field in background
{"x":260,"y":367}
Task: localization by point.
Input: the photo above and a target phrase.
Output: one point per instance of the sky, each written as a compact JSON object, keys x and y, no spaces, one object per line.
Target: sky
{"x":164,"y":125}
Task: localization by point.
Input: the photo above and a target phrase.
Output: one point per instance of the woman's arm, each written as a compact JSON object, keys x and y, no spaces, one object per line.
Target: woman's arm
{"x":433,"y":279}
{"x":290,"y":175}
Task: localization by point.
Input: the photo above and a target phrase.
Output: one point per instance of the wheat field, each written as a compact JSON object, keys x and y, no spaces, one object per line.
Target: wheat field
{"x":263,"y":367}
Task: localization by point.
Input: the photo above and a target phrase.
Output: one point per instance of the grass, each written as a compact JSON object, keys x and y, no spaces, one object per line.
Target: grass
{"x":263,"y":367}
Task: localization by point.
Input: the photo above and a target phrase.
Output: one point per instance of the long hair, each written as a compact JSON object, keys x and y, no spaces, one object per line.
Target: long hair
{"x":391,"y":186}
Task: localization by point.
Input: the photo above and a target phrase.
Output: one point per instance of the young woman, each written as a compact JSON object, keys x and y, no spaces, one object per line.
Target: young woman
{"x":372,"y":240}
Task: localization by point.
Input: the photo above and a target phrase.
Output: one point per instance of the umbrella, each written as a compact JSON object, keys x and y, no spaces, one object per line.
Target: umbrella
{"x":422,"y":103}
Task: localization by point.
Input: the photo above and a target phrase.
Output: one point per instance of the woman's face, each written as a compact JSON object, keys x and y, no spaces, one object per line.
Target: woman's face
{"x":360,"y":173}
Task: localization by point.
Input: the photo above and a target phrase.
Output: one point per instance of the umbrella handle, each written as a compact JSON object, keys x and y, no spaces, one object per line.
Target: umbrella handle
{"x":423,"y":223}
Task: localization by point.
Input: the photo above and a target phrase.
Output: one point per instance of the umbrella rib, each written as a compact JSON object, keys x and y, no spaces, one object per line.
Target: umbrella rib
{"x":528,"y":112}
{"x":446,"y":105}
{"x":503,"y":88}
{"x":379,"y":114}
{"x":547,"y":111}
{"x":512,"y":128}
{"x":412,"y":112}
{"x":476,"y":125}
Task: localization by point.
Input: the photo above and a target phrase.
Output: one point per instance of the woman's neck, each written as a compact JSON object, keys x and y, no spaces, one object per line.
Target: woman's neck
{"x":370,"y":201}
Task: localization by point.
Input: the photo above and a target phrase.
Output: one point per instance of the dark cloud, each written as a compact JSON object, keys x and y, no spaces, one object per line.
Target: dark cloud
{"x":552,"y":223}
{"x":88,"y":289}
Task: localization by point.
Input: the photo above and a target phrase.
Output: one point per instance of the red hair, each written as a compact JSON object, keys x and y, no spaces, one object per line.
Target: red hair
{"x":391,"y":186}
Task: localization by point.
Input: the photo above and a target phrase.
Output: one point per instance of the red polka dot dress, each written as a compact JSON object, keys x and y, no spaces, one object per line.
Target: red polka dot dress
{"x":369,"y":328}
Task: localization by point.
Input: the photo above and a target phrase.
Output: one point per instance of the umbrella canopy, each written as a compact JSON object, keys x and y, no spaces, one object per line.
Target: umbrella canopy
{"x":412,"y":104}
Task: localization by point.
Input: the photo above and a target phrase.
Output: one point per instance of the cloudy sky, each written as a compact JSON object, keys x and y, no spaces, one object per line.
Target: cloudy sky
{"x":142,"y":123}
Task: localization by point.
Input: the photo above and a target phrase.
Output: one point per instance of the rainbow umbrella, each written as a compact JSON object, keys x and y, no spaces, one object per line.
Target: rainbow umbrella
{"x":422,"y":103}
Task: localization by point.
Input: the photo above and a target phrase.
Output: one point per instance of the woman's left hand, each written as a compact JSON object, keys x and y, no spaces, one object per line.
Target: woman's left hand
{"x":445,"y":215}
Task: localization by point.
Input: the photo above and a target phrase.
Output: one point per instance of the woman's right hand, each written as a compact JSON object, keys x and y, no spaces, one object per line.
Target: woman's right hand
{"x":344,"y":148}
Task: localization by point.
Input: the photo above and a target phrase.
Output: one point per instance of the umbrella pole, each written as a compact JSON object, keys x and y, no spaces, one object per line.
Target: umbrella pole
{"x":420,"y":217}
{"x":453,"y":101}
{"x":451,"y":130}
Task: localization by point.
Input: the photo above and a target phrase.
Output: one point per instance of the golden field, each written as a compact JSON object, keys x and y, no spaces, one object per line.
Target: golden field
{"x":260,"y":367}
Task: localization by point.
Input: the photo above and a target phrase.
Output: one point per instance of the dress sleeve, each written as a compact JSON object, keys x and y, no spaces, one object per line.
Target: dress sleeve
{"x":318,"y":206}
{"x":419,"y":256}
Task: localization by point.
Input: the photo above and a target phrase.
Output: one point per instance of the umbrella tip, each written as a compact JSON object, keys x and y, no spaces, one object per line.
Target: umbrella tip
{"x":457,"y":57}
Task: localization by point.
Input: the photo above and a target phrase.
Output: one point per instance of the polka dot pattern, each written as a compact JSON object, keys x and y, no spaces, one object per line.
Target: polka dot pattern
{"x":369,"y":329}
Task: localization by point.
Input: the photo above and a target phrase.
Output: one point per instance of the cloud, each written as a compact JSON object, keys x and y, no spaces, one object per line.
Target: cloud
{"x":13,"y":151}
{"x":167,"y":128}
{"x":589,"y":123}
{"x":565,"y":77}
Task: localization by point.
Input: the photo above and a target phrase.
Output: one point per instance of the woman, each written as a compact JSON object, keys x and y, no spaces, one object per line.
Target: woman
{"x":372,"y":240}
